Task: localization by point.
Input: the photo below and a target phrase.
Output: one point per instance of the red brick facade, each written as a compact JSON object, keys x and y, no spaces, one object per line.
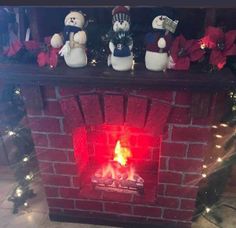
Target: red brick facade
{"x":178,"y":157}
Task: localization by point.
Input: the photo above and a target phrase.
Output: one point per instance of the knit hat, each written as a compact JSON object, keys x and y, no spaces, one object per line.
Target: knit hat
{"x":120,"y":13}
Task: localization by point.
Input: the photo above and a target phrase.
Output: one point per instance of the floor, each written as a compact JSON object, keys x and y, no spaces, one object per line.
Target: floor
{"x":36,"y":215}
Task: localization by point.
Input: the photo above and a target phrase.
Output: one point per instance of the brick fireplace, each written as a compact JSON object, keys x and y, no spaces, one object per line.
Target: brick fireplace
{"x":76,"y":133}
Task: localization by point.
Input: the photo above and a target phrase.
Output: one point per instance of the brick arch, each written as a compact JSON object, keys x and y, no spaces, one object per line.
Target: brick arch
{"x":95,"y":109}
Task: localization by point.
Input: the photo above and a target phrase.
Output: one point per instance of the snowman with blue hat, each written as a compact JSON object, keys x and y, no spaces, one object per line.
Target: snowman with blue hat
{"x":121,"y":42}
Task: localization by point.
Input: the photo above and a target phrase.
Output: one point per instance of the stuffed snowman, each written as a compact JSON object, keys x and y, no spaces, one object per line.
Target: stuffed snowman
{"x":72,"y":41}
{"x":158,"y":43}
{"x":121,"y":43}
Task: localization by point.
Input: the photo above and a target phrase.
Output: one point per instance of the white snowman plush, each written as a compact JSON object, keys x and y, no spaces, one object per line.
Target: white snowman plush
{"x":73,"y":40}
{"x":158,"y":44}
{"x":121,"y":43}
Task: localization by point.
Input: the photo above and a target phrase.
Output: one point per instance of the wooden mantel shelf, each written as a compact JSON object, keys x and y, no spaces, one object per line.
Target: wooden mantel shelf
{"x":157,"y":3}
{"x":104,"y":77}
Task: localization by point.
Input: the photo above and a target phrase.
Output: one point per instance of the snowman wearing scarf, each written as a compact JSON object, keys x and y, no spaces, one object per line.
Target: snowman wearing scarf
{"x":72,"y":41}
{"x":121,"y":43}
{"x":158,"y":42}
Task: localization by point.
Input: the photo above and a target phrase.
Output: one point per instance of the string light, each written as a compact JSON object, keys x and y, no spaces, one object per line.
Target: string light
{"x":218,"y":146}
{"x":203,"y":46}
{"x":11,"y":133}
{"x":29,"y":176}
{"x":25,"y":204}
{"x":17,"y":91}
{"x":214,"y":126}
{"x":224,"y":125}
{"x":208,"y":209}
{"x":204,"y":166}
{"x":133,"y":65}
{"x":204,"y":175}
{"x":25,"y":159}
{"x":93,"y":62}
{"x":231,"y":94}
{"x":219,"y":159}
{"x":19,"y":192}
{"x":219,"y":136}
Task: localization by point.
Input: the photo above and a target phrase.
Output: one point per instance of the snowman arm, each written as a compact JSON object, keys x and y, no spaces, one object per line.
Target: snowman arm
{"x":56,"y":41}
{"x":111,"y":47}
{"x":80,"y":37}
{"x":131,"y":46}
{"x":65,"y":49}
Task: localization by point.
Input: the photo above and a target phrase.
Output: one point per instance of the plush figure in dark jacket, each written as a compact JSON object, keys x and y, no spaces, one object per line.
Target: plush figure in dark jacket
{"x":158,"y":44}
{"x":121,"y":43}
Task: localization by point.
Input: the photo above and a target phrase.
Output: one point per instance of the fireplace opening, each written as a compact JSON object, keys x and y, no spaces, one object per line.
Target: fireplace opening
{"x":117,"y":158}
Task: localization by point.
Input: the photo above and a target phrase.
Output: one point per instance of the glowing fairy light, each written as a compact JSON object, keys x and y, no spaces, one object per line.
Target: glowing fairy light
{"x":208,"y":209}
{"x":224,"y":125}
{"x":25,"y":159}
{"x":93,"y":62}
{"x":203,"y":46}
{"x":133,"y":65}
{"x":204,"y":166}
{"x":218,"y":146}
{"x":219,"y":159}
{"x":29,"y":176}
{"x":218,"y":136}
{"x":19,"y":192}
{"x":204,"y":175}
{"x":25,"y":204}
{"x":214,"y":126}
{"x":17,"y":91}
{"x":11,"y":133}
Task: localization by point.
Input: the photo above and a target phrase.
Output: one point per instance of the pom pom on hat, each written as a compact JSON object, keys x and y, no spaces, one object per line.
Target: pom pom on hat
{"x":120,"y":13}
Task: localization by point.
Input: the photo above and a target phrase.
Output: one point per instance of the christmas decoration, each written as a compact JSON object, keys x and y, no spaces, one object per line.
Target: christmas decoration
{"x":12,"y":112}
{"x":121,"y":42}
{"x":158,"y":41}
{"x":217,"y":170}
{"x":72,"y":41}
{"x":221,"y":45}
{"x":9,"y":43}
{"x":49,"y":56}
{"x":185,"y":51}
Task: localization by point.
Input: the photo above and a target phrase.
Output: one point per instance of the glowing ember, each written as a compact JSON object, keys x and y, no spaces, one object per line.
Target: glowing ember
{"x":117,"y":175}
{"x":121,"y":154}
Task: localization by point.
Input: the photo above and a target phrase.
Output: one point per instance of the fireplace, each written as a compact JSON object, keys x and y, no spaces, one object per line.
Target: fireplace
{"x":115,"y":156}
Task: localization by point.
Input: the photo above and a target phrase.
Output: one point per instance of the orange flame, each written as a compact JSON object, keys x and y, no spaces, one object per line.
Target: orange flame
{"x":121,"y":154}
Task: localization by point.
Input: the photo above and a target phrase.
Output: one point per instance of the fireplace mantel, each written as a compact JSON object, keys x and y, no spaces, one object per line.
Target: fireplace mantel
{"x":101,"y":76}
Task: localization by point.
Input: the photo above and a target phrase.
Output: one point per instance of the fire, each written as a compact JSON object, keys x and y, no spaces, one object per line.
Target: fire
{"x":117,"y":175}
{"x":121,"y":154}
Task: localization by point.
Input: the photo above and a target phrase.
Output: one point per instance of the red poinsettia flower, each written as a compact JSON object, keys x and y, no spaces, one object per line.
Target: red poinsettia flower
{"x":222,"y":45}
{"x":31,"y":45}
{"x":14,"y":47}
{"x":49,"y":57}
{"x":53,"y":57}
{"x":42,"y":58}
{"x":185,"y":51}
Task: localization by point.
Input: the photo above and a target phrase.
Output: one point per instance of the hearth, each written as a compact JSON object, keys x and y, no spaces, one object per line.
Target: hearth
{"x":122,"y":155}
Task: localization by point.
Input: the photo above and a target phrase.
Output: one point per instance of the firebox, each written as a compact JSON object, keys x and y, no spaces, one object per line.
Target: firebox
{"x":117,"y":156}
